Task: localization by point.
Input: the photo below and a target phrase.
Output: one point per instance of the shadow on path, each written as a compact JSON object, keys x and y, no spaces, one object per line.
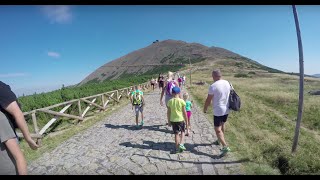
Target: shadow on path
{"x":170,"y":146}
{"x":134,"y":128}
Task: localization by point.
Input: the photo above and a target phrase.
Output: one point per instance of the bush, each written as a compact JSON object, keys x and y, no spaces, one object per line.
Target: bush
{"x":239,"y":75}
{"x":252,"y":72}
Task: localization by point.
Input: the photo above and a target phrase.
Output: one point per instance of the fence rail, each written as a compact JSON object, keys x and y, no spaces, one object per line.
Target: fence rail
{"x":90,"y":101}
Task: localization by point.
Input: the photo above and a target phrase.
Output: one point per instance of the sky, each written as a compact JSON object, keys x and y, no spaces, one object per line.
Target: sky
{"x":43,"y":47}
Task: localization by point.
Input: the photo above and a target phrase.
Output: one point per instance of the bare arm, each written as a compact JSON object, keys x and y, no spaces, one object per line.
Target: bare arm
{"x":185,"y":115}
{"x":14,"y":149}
{"x":130,"y":98}
{"x":162,"y":93}
{"x":17,"y":114}
{"x":207,"y":103}
{"x":168,"y":115}
{"x":143,"y":102}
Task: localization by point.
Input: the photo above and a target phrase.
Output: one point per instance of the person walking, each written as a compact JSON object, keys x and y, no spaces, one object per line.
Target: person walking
{"x":167,"y":90}
{"x":12,"y":160}
{"x":188,"y":110}
{"x":177,"y":118}
{"x":219,"y":93}
{"x":137,"y":101}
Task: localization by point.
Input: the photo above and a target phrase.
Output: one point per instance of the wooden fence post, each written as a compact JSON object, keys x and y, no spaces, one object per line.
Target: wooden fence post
{"x":36,"y":129}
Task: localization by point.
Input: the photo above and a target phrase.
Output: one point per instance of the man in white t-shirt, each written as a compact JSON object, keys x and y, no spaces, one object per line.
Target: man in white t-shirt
{"x":219,"y":93}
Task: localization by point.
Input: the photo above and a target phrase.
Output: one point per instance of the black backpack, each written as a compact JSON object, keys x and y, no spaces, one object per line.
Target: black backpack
{"x":234,"y":100}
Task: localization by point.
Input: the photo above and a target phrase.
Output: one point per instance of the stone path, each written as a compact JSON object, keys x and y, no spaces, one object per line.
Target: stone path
{"x":115,"y":146}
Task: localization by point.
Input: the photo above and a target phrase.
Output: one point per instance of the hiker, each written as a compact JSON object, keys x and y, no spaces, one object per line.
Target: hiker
{"x":180,"y":82}
{"x":177,"y":118}
{"x":188,"y":110}
{"x":184,"y":80}
{"x":152,"y":82}
{"x":161,"y":82}
{"x":12,"y":160}
{"x":169,"y":84}
{"x":155,"y":82}
{"x":137,"y":102}
{"x":219,"y":93}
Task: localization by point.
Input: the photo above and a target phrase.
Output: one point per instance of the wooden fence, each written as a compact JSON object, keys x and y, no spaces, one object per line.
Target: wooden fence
{"x":90,"y":101}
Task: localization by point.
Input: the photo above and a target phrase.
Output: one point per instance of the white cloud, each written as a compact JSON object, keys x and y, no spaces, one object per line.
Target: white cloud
{"x":53,"y":54}
{"x":10,"y":75}
{"x":58,"y":13}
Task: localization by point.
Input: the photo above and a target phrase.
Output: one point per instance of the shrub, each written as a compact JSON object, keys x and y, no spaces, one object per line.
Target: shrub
{"x":241,"y":75}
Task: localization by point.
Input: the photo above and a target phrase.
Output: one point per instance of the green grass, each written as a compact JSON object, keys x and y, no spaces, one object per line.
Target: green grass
{"x":264,"y":128}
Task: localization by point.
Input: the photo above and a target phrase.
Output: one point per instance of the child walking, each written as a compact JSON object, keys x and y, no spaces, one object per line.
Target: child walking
{"x":177,"y":118}
{"x":188,"y":109}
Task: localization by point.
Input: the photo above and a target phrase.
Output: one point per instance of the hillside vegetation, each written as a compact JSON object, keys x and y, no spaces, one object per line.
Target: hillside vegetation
{"x":264,"y":128}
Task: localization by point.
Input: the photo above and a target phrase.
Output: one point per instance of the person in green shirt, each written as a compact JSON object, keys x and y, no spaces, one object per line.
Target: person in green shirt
{"x":137,"y":102}
{"x":188,"y":109}
{"x":177,"y":118}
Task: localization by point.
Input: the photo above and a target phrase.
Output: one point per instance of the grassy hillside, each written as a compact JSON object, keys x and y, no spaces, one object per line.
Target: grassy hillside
{"x":263,"y":130}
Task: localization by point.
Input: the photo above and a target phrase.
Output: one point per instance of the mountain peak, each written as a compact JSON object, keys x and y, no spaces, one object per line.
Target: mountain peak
{"x":168,"y":51}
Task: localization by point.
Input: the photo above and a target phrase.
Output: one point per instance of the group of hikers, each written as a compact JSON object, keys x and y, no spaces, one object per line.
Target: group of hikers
{"x":161,"y":80}
{"x":179,"y":106}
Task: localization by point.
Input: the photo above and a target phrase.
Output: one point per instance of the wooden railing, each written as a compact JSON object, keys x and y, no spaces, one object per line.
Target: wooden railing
{"x":90,"y":101}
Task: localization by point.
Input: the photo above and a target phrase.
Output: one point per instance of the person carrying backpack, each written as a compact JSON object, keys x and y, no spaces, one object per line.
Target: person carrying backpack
{"x":167,"y":90}
{"x":137,"y":102}
{"x":219,"y":93}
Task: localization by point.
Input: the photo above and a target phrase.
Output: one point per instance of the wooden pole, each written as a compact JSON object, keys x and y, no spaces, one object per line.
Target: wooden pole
{"x":36,"y":129}
{"x":190,"y":71}
{"x":300,"y":108}
{"x":79,"y":107}
{"x":60,"y":114}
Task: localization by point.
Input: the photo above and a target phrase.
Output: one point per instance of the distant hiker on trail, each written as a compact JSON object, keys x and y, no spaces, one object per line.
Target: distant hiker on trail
{"x":153,"y":82}
{"x":177,"y":118}
{"x":184,"y":80}
{"x":137,"y":102}
{"x":188,"y":110}
{"x":219,"y":93}
{"x":161,"y":82}
{"x":169,"y":84}
{"x":180,"y":82}
{"x":12,"y":160}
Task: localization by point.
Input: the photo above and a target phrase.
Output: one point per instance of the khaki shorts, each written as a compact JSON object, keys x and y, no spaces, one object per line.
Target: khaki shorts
{"x":138,"y":108}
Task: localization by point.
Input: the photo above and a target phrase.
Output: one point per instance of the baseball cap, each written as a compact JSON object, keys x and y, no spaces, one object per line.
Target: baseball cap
{"x":176,"y":90}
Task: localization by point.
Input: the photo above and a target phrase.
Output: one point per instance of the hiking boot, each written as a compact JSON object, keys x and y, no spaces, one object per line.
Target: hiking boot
{"x":141,"y":123}
{"x":182,"y":148}
{"x":216,"y":143}
{"x":225,"y":150}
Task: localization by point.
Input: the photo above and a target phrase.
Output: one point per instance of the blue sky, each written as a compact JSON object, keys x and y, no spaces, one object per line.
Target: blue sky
{"x":43,"y":47}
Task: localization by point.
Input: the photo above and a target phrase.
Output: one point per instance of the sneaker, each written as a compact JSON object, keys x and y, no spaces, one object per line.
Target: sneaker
{"x":216,"y":142}
{"x":182,"y":148}
{"x":225,"y":150}
{"x":141,"y":123}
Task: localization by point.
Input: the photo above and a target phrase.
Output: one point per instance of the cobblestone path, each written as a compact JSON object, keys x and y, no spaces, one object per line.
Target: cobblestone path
{"x":115,"y":146}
